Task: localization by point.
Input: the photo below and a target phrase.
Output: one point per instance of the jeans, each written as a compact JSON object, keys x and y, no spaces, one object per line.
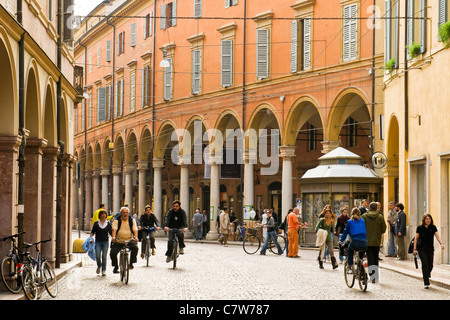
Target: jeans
{"x":356,"y":245}
{"x":273,"y":235}
{"x":392,"y":247}
{"x":101,"y":250}
{"x":144,"y":240}
{"x":170,"y":242}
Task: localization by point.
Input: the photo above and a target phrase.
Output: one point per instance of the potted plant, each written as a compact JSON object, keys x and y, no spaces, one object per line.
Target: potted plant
{"x":390,"y":65}
{"x":444,"y":34}
{"x":413,"y":50}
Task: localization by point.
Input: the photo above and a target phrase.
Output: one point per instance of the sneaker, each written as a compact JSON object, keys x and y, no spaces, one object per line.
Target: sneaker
{"x":168,"y":259}
{"x":182,"y":251}
{"x":131,"y":267}
{"x":98,"y":270}
{"x":116,"y":270}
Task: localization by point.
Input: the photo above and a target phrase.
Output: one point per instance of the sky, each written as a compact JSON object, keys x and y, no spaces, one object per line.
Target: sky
{"x":83,"y":7}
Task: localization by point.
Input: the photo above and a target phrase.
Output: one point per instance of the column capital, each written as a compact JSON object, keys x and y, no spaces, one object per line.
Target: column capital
{"x":51,"y":152}
{"x":10,"y":143}
{"x":105,"y":172}
{"x":158,"y":163}
{"x":96,"y":172}
{"x":88,"y":174}
{"x":117,"y":170}
{"x":36,"y":144}
{"x":142,"y":165}
{"x":287,"y":152}
{"x":329,"y":146}
{"x":130,"y":168}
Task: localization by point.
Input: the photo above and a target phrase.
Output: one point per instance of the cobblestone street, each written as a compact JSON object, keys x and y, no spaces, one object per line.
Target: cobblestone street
{"x":213,"y":272}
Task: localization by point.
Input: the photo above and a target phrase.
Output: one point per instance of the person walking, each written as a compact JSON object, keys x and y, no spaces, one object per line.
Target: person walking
{"x":101,"y":229}
{"x":400,"y":229}
{"x":271,"y":233}
{"x":148,"y":219}
{"x":326,"y":224}
{"x":224,"y":227}
{"x":424,"y":246}
{"x":340,"y":226}
{"x":293,"y":227}
{"x":375,"y":227}
{"x":391,"y":217}
{"x":197,"y":221}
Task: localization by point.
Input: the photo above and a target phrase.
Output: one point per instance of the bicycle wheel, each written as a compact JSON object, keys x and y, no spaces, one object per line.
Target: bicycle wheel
{"x":125,"y":269}
{"x":281,"y":241}
{"x":30,"y":288}
{"x":10,"y":275}
{"x":147,"y":251}
{"x":348,"y":275}
{"x":251,"y":244}
{"x":175,"y":253}
{"x":362,"y":277}
{"x":51,"y":282}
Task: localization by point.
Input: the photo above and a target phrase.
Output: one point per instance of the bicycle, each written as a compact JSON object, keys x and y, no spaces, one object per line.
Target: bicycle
{"x":252,"y":242}
{"x":38,"y":273}
{"x":147,"y":243}
{"x":124,"y":263}
{"x":239,"y":235}
{"x":358,"y":270}
{"x":175,"y":252}
{"x":11,"y":266}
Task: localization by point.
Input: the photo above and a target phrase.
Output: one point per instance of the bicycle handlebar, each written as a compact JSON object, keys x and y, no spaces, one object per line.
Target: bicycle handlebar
{"x":152,"y":229}
{"x":36,"y":243}
{"x":13,"y":236}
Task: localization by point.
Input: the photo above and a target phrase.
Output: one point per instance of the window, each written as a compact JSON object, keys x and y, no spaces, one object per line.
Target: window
{"x":196,"y":71}
{"x":133,"y":34}
{"x":443,"y":12}
{"x":148,"y":25}
{"x":146,"y":85}
{"x":416,"y":24}
{"x":300,"y":45}
{"x":168,"y":15}
{"x":168,"y":79}
{"x":227,"y":63}
{"x":75,"y":117}
{"x":121,"y":43}
{"x":133,"y":92}
{"x":197,"y":8}
{"x":90,"y":110}
{"x":108,"y":50}
{"x":392,"y":12}
{"x":99,"y":57}
{"x":350,"y":33}
{"x":119,"y":98}
{"x":102,"y":104}
{"x":262,"y":53}
{"x":229,"y":3}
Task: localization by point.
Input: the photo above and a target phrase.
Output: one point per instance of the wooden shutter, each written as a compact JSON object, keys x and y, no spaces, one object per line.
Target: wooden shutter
{"x":442,"y":12}
{"x":133,"y":34}
{"x":102,"y":104}
{"x":306,"y":44}
{"x":262,"y":53}
{"x":163,"y":17}
{"x":227,"y":63}
{"x":197,"y":8}
{"x":234,"y":2}
{"x":294,"y":45}
{"x":196,"y":71}
{"x":350,"y":33}
{"x":108,"y":50}
{"x":168,"y":81}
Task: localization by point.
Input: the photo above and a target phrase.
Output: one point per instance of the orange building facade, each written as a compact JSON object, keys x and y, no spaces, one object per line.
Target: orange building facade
{"x":295,"y":78}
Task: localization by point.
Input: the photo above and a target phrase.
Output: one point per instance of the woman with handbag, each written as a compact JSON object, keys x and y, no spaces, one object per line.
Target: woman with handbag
{"x":424,"y":247}
{"x":326,"y":224}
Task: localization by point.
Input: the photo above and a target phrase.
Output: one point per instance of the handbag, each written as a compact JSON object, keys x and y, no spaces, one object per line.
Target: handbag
{"x":411,"y":246}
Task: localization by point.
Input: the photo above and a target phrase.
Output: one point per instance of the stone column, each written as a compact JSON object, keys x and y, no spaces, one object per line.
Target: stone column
{"x":329,"y":146}
{"x":214,"y":199}
{"x":9,"y":150}
{"x":116,"y":171}
{"x":129,"y":171}
{"x":288,"y":154}
{"x":249,"y":178}
{"x":95,"y":189}
{"x":184,"y":188}
{"x":88,"y":200}
{"x":142,"y":167}
{"x":158,"y":164}
{"x":105,"y":188}
{"x":48,"y":214}
{"x":33,"y":190}
{"x":66,"y":206}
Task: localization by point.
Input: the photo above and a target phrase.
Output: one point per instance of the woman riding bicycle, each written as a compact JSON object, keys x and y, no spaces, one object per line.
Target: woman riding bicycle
{"x":356,"y":229}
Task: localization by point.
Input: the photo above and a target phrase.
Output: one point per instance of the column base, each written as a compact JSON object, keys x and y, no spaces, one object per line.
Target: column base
{"x":212,"y":235}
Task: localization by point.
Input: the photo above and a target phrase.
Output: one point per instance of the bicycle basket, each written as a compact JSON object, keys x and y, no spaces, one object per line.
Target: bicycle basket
{"x":252,"y":231}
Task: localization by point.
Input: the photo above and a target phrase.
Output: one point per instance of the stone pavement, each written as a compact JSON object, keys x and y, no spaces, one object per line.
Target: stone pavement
{"x":244,"y":277}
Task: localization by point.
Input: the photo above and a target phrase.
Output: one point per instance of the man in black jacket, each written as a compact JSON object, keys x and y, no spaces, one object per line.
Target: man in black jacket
{"x":400,"y":228}
{"x":176,"y":219}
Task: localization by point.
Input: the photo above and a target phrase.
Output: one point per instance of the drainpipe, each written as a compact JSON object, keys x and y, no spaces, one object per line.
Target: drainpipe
{"x":21,"y":158}
{"x":406,"y":81}
{"x":244,"y":102}
{"x":373,"y":82}
{"x":81,"y":224}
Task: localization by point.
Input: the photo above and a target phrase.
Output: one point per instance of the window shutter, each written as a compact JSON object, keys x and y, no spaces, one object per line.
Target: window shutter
{"x":119,"y":41}
{"x":108,"y":50}
{"x":262,"y":53}
{"x":423,"y":26}
{"x":227,"y":63}
{"x":102,"y":104}
{"x":122,"y":96}
{"x":227,"y":3}
{"x":346,"y":35}
{"x":150,"y":24}
{"x":83,"y":104}
{"x":196,"y":68}
{"x":116,"y":99}
{"x":143,"y":95}
{"x":387,"y":29}
{"x":234,"y":2}
{"x":410,"y":23}
{"x":109,"y":98}
{"x":133,"y":92}
{"x":168,"y":81}
{"x":174,"y":13}
{"x":163,"y":17}
{"x":90,"y":112}
{"x":197,"y":8}
{"x":442,"y":12}
{"x":133,"y":34}
{"x":350,"y":34}
{"x":306,"y":44}
{"x":294,"y":46}
{"x":397,"y":33}
{"x":99,"y":57}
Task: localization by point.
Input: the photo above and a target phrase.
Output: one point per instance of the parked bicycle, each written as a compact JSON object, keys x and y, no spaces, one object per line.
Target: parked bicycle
{"x":239,"y":235}
{"x":357,"y":271}
{"x":124,"y":263}
{"x":253,"y":242}
{"x":11,"y":266}
{"x":38,"y":273}
{"x":147,"y":243}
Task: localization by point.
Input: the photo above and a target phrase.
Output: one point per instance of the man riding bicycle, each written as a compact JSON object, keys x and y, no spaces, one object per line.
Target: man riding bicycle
{"x":124,"y":229}
{"x":148,"y":220}
{"x":356,"y":229}
{"x":176,"y":219}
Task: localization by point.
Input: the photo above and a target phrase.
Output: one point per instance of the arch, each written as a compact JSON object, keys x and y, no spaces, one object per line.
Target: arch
{"x":131,"y":148}
{"x":393,"y":141}
{"x":196,"y":127}
{"x":97,"y":156}
{"x":8,"y":88}
{"x":264,"y":116}
{"x":90,"y":158}
{"x":145,"y":144}
{"x":119,"y":151}
{"x":346,"y":103}
{"x":304,"y":109}
{"x":164,"y":138}
{"x":64,"y":122}
{"x":32,"y":101}
{"x":49,"y":120}
{"x":106,"y":154}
